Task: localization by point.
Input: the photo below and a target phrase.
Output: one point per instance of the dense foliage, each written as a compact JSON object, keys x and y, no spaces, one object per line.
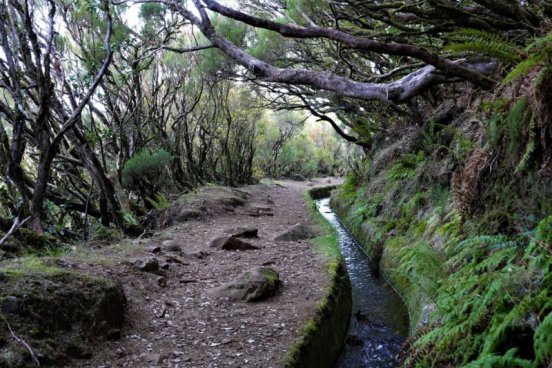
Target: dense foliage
{"x":456,"y":214}
{"x":146,"y":172}
{"x":446,"y":107}
{"x":93,"y":108}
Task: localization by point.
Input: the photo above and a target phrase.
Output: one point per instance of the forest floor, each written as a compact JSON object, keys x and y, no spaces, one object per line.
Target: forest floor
{"x":172,"y":323}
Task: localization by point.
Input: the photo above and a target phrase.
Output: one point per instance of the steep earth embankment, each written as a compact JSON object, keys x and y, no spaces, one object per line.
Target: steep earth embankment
{"x":455,"y":212}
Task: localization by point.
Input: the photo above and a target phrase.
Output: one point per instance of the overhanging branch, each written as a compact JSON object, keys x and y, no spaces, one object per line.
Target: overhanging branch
{"x":291,"y":30}
{"x":393,"y":92}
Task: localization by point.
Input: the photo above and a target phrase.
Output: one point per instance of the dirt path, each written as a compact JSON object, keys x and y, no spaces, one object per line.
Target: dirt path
{"x":171,"y":323}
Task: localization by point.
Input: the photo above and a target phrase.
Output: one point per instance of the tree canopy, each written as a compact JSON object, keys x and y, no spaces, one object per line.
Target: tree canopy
{"x":83,"y":90}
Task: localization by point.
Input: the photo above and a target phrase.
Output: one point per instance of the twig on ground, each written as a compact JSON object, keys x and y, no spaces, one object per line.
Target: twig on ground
{"x":20,"y":340}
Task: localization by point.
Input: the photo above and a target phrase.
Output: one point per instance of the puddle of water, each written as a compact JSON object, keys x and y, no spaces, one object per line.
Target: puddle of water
{"x":379,"y":320}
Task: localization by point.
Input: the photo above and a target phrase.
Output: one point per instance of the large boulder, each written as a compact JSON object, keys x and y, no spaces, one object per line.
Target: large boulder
{"x":254,"y":285}
{"x":259,"y":210}
{"x":59,"y":313}
{"x":230,"y":242}
{"x":297,"y":232}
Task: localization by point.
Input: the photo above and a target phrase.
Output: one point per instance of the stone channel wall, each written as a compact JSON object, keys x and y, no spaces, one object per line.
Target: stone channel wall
{"x":320,"y":342}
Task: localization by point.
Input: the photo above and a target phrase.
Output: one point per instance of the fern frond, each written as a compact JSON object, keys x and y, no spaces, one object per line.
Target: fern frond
{"x":530,"y":146}
{"x":482,"y":240}
{"x":159,"y":202}
{"x":523,"y":68}
{"x":539,"y":51}
{"x":129,"y":218}
{"x":541,"y":76}
{"x":543,"y":342}
{"x":508,"y":360}
{"x":484,"y":43}
{"x":540,"y":43}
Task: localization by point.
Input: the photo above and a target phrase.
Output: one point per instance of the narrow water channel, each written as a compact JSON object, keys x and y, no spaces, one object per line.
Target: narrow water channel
{"x":379,"y":320}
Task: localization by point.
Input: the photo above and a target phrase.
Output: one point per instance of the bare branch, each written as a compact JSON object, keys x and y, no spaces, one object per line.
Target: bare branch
{"x":70,"y":122}
{"x":22,"y":342}
{"x":16,"y":225}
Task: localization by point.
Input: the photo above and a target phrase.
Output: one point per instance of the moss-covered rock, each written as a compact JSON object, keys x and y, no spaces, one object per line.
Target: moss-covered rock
{"x":296,"y":232}
{"x":256,"y":284}
{"x":321,"y":192}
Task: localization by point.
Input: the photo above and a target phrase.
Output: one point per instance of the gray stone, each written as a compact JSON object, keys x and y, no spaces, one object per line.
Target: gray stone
{"x":427,"y":310}
{"x":162,"y":281}
{"x":229,"y":242}
{"x":11,"y":305}
{"x":258,"y":210}
{"x":171,"y":246}
{"x":155,"y":359}
{"x":153,"y":248}
{"x":187,"y":214}
{"x":234,"y":201}
{"x":147,"y":265}
{"x":296,"y":232}
{"x":256,"y":284}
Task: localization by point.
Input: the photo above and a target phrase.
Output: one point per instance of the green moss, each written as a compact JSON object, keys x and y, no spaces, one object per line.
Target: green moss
{"x":45,"y":267}
{"x":326,"y":243}
{"x":30,"y":266}
{"x":321,"y":192}
{"x":34,"y":240}
{"x":321,"y":337}
{"x":271,"y":275}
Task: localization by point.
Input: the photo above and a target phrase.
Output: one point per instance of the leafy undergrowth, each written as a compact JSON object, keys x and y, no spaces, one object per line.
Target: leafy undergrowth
{"x":485,"y":301}
{"x":463,"y":231}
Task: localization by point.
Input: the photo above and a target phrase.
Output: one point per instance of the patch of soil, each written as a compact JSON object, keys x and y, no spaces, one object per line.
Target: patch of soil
{"x":172,"y":321}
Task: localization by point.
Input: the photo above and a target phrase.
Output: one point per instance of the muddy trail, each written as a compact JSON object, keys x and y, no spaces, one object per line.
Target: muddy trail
{"x":173,"y":319}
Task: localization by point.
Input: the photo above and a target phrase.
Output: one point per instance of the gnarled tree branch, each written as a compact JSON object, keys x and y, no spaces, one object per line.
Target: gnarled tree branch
{"x":397,"y":49}
{"x":439,"y":71}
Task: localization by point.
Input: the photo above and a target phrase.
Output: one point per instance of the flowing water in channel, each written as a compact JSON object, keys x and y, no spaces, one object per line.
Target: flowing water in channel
{"x":379,"y":320}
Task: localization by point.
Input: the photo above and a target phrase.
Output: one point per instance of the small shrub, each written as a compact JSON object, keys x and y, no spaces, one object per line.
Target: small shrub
{"x":102,"y":233}
{"x":146,"y":173}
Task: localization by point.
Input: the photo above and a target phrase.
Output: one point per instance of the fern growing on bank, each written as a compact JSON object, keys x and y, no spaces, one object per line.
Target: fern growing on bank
{"x":530,"y":146}
{"x":495,"y":308}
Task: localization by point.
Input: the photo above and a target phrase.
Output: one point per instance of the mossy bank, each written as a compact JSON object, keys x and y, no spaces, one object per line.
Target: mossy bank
{"x":463,"y":231}
{"x":51,"y":315}
{"x":322,"y":337}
